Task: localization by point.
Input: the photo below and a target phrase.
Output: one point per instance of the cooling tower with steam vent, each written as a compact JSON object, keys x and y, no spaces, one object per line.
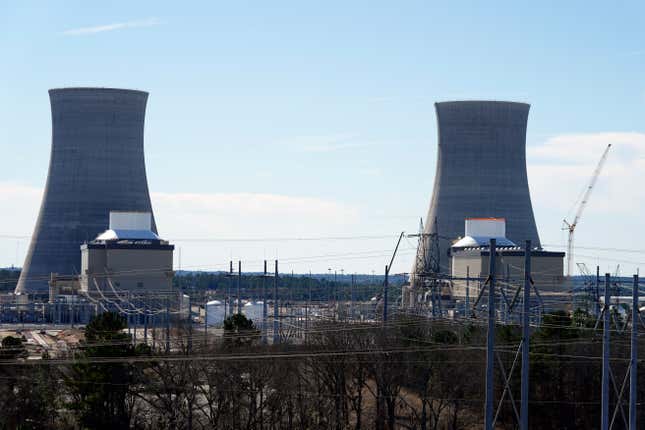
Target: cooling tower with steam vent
{"x":481,"y":171}
{"x":96,"y":166}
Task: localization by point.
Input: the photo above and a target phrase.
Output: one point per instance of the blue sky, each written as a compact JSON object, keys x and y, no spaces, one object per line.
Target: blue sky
{"x":315,"y":120}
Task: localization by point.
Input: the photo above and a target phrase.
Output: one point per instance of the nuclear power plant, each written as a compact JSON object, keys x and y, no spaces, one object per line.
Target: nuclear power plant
{"x":96,"y":166}
{"x":95,"y":245}
{"x":480,"y":173}
{"x":481,"y":192}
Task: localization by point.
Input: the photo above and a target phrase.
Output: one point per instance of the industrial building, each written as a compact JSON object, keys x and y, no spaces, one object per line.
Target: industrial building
{"x":127,"y":258}
{"x":96,"y":165}
{"x":470,"y":258}
{"x":481,"y":172}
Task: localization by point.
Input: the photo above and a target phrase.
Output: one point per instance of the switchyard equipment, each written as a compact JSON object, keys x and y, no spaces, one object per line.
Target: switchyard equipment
{"x":425,"y":275}
{"x":96,"y":165}
{"x":481,"y":171}
{"x":571,"y":226}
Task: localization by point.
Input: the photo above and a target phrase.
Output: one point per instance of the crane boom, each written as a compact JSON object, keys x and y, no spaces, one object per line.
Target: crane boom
{"x":571,"y":226}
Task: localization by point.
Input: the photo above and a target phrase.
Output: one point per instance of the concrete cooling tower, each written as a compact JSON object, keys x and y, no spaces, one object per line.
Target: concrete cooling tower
{"x":96,"y":166}
{"x":481,"y":171}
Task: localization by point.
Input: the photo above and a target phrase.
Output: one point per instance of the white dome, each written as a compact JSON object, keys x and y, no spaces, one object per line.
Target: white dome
{"x":480,"y":241}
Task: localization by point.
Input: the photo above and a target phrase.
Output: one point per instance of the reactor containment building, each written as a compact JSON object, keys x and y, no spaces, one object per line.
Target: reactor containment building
{"x":481,"y":173}
{"x":96,"y":166}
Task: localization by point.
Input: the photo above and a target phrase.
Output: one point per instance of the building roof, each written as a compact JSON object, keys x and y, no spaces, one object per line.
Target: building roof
{"x":481,"y":242}
{"x":506,"y":251}
{"x":121,"y":234}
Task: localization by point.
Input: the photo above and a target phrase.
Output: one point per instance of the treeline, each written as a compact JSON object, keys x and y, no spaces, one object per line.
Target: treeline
{"x":8,"y":279}
{"x":290,"y":287}
{"x":410,"y":374}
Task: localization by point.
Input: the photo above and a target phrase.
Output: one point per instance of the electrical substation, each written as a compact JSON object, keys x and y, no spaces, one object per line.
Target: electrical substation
{"x":479,"y":259}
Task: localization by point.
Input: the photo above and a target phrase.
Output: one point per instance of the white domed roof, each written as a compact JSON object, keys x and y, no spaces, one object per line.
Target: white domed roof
{"x":480,"y":241}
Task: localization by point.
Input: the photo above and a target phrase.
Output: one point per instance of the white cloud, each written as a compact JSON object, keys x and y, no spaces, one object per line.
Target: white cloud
{"x":585,"y":148}
{"x":182,"y":216}
{"x":188,"y":218}
{"x":20,"y":203}
{"x":192,"y":215}
{"x":264,"y":212}
{"x":560,"y":168}
{"x":149,"y":22}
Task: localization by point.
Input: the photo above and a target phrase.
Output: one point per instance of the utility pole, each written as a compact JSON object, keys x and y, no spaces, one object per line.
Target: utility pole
{"x":307,"y":308}
{"x":507,"y":311}
{"x":524,"y":408}
{"x":467,"y":301}
{"x":604,"y":423}
{"x":227,"y":304}
{"x":128,"y":315}
{"x":153,"y":321}
{"x":190,"y":324}
{"x":71,"y":315}
{"x":597,"y":290}
{"x":135,"y":321}
{"x":239,"y":282}
{"x":387,"y":272}
{"x":167,"y":325}
{"x":633,"y":375}
{"x":145,"y":320}
{"x":276,"y":331}
{"x":351,"y":300}
{"x":490,"y":343}
{"x":264,"y":304}
{"x":206,"y":319}
{"x":433,"y":298}
{"x":336,"y":294}
{"x":438,"y":288}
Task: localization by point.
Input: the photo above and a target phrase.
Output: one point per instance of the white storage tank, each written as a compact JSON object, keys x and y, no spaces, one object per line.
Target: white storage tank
{"x":253,"y":311}
{"x":214,"y":313}
{"x":184,"y":306}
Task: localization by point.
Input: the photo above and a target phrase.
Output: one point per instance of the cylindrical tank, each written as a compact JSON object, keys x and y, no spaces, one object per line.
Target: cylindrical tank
{"x":214,"y":313}
{"x":253,"y":311}
{"x":96,"y":166}
{"x":481,"y":171}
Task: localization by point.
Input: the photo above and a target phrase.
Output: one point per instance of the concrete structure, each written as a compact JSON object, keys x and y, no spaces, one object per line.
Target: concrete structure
{"x":128,"y":257}
{"x":470,"y":257}
{"x":546,"y":268}
{"x":96,"y":165}
{"x":481,"y":171}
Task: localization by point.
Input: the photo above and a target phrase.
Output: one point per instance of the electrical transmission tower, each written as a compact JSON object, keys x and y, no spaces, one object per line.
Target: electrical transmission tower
{"x":427,"y":265}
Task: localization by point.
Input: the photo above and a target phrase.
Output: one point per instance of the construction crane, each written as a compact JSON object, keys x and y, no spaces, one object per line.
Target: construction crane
{"x":571,"y":226}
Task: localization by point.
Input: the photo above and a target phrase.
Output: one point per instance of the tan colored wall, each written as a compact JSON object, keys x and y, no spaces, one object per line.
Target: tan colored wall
{"x":546,"y":272}
{"x":130,"y":269}
{"x":473,"y":265}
